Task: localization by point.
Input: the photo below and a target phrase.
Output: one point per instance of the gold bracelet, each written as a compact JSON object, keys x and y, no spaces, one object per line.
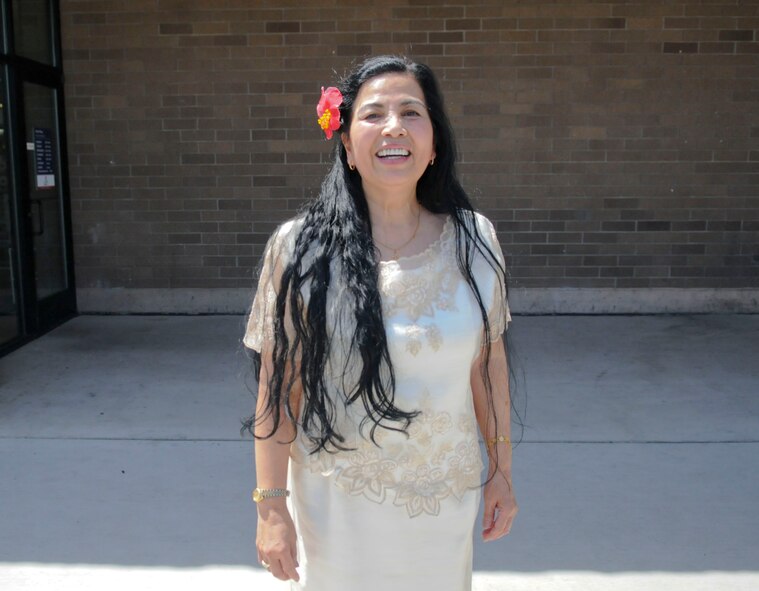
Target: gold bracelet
{"x":500,"y":439}
{"x":259,"y":494}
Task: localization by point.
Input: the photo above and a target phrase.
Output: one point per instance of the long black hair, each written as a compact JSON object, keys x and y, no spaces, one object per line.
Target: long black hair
{"x":336,"y":237}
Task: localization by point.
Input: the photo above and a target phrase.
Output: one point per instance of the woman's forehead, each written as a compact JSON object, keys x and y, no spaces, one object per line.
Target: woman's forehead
{"x":395,"y":86}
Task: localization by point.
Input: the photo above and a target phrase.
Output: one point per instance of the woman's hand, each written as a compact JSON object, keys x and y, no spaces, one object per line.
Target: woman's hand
{"x":500,"y":507}
{"x":276,"y":540}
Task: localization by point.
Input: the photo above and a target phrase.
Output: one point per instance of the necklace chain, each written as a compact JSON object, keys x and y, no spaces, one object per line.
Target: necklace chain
{"x":397,"y":248}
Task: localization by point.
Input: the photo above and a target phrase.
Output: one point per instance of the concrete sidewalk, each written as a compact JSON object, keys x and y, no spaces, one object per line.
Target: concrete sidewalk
{"x":121,"y":465}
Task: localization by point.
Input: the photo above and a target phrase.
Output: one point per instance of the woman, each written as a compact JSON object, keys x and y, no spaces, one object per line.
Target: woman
{"x":378,"y":319}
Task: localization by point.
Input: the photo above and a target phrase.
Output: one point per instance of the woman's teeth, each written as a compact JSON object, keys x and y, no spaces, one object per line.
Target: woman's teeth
{"x":392,"y":152}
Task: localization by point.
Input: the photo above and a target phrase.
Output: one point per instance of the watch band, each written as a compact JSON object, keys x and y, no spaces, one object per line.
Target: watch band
{"x":259,"y":494}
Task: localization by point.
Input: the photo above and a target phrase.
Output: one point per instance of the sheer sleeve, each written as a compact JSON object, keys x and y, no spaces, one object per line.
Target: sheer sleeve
{"x":260,"y":326}
{"x":499,"y":314}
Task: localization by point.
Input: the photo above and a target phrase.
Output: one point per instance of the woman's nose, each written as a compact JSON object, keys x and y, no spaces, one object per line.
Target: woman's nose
{"x":394,"y":125}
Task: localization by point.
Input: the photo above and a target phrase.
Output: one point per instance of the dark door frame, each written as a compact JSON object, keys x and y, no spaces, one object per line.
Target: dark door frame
{"x":35,"y":316}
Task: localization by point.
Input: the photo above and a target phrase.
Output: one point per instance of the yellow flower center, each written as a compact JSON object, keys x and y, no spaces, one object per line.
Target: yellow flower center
{"x":325,"y":119}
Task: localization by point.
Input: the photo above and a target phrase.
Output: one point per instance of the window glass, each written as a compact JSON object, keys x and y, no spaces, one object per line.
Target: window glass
{"x":31,"y":30}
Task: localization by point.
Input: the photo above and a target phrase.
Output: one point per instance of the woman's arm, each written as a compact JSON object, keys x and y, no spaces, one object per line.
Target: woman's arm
{"x":494,"y":421}
{"x":275,"y":537}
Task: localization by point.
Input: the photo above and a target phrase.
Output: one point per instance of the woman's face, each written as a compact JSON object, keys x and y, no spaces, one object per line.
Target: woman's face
{"x":390,"y":140}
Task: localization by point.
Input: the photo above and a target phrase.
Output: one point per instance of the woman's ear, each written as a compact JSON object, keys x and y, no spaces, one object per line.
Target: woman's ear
{"x":348,"y":150}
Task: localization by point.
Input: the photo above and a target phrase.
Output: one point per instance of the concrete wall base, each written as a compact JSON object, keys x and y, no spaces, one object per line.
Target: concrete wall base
{"x":635,"y":301}
{"x":563,"y":300}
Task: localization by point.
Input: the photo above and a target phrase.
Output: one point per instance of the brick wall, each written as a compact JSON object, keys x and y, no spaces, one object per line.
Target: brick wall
{"x":615,"y":144}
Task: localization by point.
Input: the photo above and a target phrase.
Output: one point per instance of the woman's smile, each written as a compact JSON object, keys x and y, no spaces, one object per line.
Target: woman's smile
{"x":393,"y":153}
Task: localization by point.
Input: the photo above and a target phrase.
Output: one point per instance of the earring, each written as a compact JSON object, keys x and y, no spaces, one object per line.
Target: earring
{"x":432,"y":162}
{"x":351,"y":166}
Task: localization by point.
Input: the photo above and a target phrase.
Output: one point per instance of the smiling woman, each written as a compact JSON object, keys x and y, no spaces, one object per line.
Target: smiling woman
{"x":377,"y":328}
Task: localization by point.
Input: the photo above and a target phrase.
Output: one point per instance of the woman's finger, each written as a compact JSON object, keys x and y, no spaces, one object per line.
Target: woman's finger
{"x":284,"y":569}
{"x":488,"y":514}
{"x":502,"y":525}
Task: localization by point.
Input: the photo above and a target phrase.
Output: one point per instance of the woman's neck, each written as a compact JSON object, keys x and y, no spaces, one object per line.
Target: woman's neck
{"x":400,"y":209}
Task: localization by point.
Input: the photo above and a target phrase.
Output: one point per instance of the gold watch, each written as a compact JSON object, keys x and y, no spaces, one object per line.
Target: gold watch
{"x":259,"y":494}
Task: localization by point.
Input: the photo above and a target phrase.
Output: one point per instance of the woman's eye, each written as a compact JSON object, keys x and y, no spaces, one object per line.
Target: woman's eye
{"x":411,"y":114}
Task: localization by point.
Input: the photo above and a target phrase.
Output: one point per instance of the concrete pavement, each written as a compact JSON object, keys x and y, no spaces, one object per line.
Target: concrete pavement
{"x":121,"y":465}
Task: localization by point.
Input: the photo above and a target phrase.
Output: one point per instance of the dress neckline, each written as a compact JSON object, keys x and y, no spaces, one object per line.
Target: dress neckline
{"x":415,"y":259}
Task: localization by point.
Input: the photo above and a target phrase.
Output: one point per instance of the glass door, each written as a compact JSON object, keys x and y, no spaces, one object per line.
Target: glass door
{"x":9,"y":298}
{"x":44,"y":190}
{"x":48,"y":259}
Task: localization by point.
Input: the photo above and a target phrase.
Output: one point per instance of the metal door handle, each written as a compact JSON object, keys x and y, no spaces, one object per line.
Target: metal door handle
{"x":38,"y":228}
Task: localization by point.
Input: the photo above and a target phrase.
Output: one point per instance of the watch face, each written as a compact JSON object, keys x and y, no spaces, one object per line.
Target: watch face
{"x":256,"y":495}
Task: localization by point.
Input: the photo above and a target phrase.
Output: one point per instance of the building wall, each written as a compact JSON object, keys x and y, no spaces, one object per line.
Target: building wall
{"x":614,"y":144}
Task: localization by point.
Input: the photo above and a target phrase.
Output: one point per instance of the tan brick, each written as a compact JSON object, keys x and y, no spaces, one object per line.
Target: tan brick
{"x":604,"y":155}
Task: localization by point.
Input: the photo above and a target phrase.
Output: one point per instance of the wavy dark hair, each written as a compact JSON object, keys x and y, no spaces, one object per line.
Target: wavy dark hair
{"x":336,"y":228}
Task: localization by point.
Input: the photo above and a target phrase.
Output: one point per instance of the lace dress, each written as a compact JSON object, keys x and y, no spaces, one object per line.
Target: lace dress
{"x":399,"y":515}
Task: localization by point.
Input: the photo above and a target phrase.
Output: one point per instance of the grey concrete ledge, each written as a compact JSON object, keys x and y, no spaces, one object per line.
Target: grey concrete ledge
{"x":120,"y":300}
{"x":634,"y":301}
{"x":561,"y":300}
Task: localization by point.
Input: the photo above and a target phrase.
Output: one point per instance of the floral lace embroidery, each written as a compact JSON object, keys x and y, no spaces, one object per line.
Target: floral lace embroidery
{"x":414,"y":334}
{"x":440,"y":458}
{"x":421,"y":490}
{"x":464,"y":467}
{"x":434,"y":336}
{"x":428,"y":425}
{"x":369,"y":473}
{"x":419,"y":291}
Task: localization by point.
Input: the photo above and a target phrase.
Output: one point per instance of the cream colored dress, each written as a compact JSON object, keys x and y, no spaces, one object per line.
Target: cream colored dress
{"x":399,"y":516}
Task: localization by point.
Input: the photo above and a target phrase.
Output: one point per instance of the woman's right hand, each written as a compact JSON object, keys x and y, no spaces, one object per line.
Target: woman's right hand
{"x":276,"y":539}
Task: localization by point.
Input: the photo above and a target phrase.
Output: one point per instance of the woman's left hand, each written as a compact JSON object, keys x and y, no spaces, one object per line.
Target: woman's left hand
{"x":500,"y":507}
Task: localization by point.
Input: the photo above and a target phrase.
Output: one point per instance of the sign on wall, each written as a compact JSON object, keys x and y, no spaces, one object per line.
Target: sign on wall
{"x":43,"y":158}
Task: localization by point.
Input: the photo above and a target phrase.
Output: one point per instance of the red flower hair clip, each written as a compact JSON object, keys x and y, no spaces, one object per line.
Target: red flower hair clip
{"x":328,"y":111}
